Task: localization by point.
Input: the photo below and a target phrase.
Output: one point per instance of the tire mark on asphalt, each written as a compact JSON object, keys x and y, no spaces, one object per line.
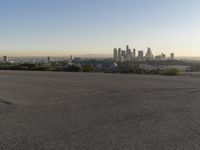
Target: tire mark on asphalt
{"x":194,"y":131}
{"x":193,"y":92}
{"x":5,"y":102}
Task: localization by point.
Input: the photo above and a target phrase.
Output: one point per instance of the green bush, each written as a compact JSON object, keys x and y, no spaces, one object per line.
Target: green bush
{"x":74,"y":68}
{"x":43,"y":68}
{"x":88,"y":68}
{"x":171,"y":72}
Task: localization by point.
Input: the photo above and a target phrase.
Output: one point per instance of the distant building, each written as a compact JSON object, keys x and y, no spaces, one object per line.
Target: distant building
{"x":127,"y":50}
{"x":71,"y":58}
{"x":115,"y":56}
{"x":5,"y":59}
{"x":48,"y":59}
{"x":149,"y":54}
{"x":172,"y":56}
{"x":134,"y":54}
{"x":123,"y":55}
{"x":161,"y":57}
{"x":119,"y":54}
{"x":164,"y":56}
{"x":77,"y":58}
{"x":127,"y":47}
{"x":114,"y":65}
{"x":128,"y":54}
{"x":140,"y":55}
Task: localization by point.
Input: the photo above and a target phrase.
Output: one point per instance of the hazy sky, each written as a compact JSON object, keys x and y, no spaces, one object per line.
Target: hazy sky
{"x":61,"y":27}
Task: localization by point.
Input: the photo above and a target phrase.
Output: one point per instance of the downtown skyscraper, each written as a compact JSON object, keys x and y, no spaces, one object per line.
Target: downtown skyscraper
{"x":130,"y":55}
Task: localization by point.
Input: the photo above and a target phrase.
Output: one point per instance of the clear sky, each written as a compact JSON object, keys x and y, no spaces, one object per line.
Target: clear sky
{"x":61,"y":27}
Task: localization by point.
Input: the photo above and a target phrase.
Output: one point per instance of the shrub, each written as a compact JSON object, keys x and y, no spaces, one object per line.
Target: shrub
{"x":171,"y":72}
{"x":43,"y":68}
{"x":88,"y":68}
{"x":73,"y":68}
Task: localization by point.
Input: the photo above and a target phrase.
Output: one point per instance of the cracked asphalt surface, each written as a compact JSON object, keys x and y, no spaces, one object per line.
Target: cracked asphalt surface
{"x":80,"y":111}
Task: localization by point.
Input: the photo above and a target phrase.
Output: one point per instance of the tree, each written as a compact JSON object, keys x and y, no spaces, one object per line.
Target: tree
{"x":171,"y":72}
{"x":88,"y":68}
{"x":74,"y":68}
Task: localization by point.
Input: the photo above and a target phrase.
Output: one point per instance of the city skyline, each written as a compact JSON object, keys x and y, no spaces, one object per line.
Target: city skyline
{"x":132,"y":54}
{"x":110,"y":54}
{"x":64,"y":27}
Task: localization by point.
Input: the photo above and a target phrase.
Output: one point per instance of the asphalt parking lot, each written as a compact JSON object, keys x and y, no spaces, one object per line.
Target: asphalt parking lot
{"x":80,"y":111}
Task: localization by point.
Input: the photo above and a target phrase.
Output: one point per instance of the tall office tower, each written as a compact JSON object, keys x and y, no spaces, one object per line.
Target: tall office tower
{"x":123,"y":53}
{"x":127,"y":47}
{"x":5,"y":59}
{"x":48,"y":59}
{"x":140,"y":55}
{"x":128,"y":50}
{"x":172,"y":56}
{"x":115,"y":54}
{"x":134,"y":53}
{"x":163,"y":56}
{"x":149,"y":55}
{"x":119,"y":54}
{"x":71,"y":58}
{"x":128,"y":54}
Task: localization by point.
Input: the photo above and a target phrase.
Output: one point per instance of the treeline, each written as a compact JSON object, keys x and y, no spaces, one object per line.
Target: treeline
{"x":47,"y":67}
{"x":125,"y":67}
{"x":133,"y":67}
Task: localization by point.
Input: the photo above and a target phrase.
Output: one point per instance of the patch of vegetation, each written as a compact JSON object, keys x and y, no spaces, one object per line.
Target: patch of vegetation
{"x":73,"y":68}
{"x":88,"y":68}
{"x":171,"y":72}
{"x":123,"y":67}
{"x":133,"y":67}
